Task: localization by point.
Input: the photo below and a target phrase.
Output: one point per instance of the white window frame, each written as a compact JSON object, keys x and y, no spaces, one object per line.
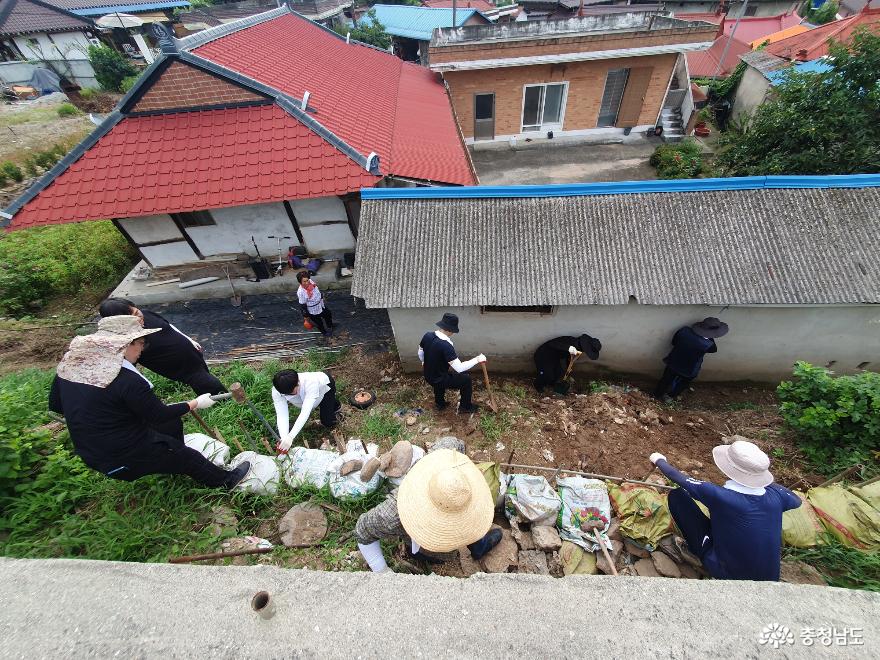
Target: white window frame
{"x":555,"y":126}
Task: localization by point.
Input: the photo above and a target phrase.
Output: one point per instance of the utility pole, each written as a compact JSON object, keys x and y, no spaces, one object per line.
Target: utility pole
{"x":454,"y":11}
{"x":732,"y":33}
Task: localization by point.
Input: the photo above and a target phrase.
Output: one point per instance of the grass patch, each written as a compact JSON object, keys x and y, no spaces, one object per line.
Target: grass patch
{"x":43,"y":113}
{"x":514,"y":390}
{"x":381,"y":424}
{"x":406,"y":396}
{"x":495,"y":425}
{"x":597,"y":386}
{"x":841,"y":566}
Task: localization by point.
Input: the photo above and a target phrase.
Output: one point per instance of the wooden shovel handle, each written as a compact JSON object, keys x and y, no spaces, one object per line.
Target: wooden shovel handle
{"x":571,"y":360}
{"x":604,"y":550}
{"x":492,"y":403}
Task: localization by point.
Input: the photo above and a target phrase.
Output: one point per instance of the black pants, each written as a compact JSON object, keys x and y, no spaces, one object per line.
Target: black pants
{"x":203,"y":381}
{"x":454,"y":381}
{"x":329,"y":406}
{"x":550,"y":371}
{"x":671,"y":384}
{"x":693,"y":523}
{"x":166,"y":454}
{"x":323,"y":321}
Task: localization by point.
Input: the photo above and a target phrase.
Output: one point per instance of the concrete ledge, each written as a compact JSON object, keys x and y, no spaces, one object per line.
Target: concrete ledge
{"x":73,"y":608}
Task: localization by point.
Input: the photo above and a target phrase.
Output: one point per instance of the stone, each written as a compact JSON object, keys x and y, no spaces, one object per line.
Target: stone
{"x":664,"y":565}
{"x":645,"y":568}
{"x":613,"y":532}
{"x":411,"y":420}
{"x":532,"y":561}
{"x":303,"y":523}
{"x":232,"y":545}
{"x":616,"y":550}
{"x":687,"y":556}
{"x":616,"y":558}
{"x":649,"y":417}
{"x":469,"y":565}
{"x":548,"y":455}
{"x":730,"y":439}
{"x":689,"y":572}
{"x":658,"y":479}
{"x":635,"y":550}
{"x":426,"y":430}
{"x":546,"y":538}
{"x":797,"y":572}
{"x":628,"y":571}
{"x":522,"y":537}
{"x":504,"y":555}
{"x":386,"y":379}
{"x":667,"y":545}
{"x":554,"y":563}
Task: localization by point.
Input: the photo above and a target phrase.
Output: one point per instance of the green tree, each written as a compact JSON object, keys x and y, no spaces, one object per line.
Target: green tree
{"x":110,"y":67}
{"x":367,"y":30}
{"x":824,"y":13}
{"x":817,"y":123}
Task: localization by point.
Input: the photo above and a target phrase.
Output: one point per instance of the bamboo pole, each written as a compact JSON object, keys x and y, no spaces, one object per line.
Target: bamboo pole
{"x":841,"y":475}
{"x":219,"y":555}
{"x":588,"y":474}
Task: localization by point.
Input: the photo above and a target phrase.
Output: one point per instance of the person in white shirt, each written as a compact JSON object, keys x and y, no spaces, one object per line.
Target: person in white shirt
{"x":311,"y":302}
{"x":306,"y":390}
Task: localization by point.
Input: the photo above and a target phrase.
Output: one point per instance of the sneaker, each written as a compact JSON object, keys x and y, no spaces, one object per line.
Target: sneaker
{"x":482,"y":547}
{"x":428,"y":559}
{"x":470,"y":409}
{"x":237,"y":475}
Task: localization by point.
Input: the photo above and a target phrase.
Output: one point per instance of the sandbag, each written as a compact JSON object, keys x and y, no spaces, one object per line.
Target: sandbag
{"x":350,"y":486}
{"x":263,"y":477}
{"x":643,"y":513}
{"x":308,"y":467}
{"x":215,"y":451}
{"x":492,"y":475}
{"x":583,"y":500}
{"x":801,"y":527}
{"x":848,"y":517}
{"x":577,"y":561}
{"x":869,"y":493}
{"x":531,"y":499}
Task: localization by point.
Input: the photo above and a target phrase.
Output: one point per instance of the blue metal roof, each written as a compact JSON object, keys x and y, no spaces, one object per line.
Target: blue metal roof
{"x":129,"y":9}
{"x":626,"y":187}
{"x":813,"y":66}
{"x":418,"y":22}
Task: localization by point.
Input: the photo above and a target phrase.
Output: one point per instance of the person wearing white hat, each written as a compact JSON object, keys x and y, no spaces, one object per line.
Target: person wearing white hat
{"x":118,"y":426}
{"x":443,"y":504}
{"x":742,"y":537}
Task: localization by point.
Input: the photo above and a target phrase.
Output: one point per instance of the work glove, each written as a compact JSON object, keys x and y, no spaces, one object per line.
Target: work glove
{"x":204,"y":401}
{"x":284,"y":444}
{"x":572,"y":350}
{"x":481,"y":358}
{"x":656,"y":456}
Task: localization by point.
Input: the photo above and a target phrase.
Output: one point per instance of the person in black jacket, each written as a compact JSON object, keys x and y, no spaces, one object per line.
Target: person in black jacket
{"x":170,"y":353}
{"x":684,"y":361}
{"x":437,"y":355}
{"x":118,"y":426}
{"x":551,"y":359}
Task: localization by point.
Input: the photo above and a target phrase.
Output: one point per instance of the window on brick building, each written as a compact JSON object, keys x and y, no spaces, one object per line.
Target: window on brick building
{"x":544,"y":107}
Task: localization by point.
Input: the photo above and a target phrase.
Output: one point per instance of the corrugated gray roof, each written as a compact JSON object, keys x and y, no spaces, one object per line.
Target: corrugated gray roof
{"x":764,"y":62}
{"x":729,"y":247}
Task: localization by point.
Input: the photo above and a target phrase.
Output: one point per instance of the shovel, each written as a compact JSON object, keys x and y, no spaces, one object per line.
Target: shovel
{"x":236,"y":299}
{"x":492,"y":405}
{"x":564,"y":385}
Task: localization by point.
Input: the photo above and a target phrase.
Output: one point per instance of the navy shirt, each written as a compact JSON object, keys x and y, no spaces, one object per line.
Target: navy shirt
{"x":746,"y":540}
{"x":168,"y":353}
{"x":688,"y":349}
{"x":438,"y":354}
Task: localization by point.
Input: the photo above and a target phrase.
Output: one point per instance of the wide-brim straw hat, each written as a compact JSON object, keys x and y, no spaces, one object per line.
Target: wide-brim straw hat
{"x":444,"y":502}
{"x":744,"y":462}
{"x":126,"y":327}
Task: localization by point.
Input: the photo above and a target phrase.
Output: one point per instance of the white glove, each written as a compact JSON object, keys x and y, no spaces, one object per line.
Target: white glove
{"x":480,"y":358}
{"x":284,"y":444}
{"x":204,"y":401}
{"x":656,"y":456}
{"x":572,"y":350}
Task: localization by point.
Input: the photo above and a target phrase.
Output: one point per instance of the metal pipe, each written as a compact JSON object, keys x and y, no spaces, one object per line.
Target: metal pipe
{"x":588,"y":474}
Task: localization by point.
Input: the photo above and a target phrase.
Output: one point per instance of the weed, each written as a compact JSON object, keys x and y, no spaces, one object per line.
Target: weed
{"x":840,"y":565}
{"x":88,"y":93}
{"x":597,"y":386}
{"x":405,"y":396}
{"x":380,"y":424}
{"x":68,"y":110}
{"x":495,"y":425}
{"x":12,"y":171}
{"x":778,"y":452}
{"x":514,"y":390}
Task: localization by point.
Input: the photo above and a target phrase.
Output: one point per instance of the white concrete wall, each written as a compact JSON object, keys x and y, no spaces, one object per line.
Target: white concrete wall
{"x":324,"y":224}
{"x":235,"y":226}
{"x":750,"y":93}
{"x":65,"y":45}
{"x":151,"y":228}
{"x":169,"y":254}
{"x":763,"y":343}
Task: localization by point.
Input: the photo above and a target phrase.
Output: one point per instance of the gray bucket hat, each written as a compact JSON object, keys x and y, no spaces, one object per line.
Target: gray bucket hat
{"x":744,"y":462}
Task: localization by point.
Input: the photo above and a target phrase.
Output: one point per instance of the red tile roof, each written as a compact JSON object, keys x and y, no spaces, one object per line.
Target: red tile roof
{"x":191,"y":161}
{"x":750,"y":28}
{"x":359,"y":93}
{"x":704,"y":63}
{"x":814,"y":43}
{"x":34,"y":16}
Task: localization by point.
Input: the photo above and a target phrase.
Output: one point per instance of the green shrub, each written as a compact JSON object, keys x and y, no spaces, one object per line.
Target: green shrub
{"x":30,"y":166}
{"x":836,"y":419}
{"x":3,"y":179}
{"x":12,"y":171}
{"x":682,"y":160}
{"x":110,"y":67}
{"x":128,"y":83}
{"x":88,"y":93}
{"x":68,"y":110}
{"x":48,"y":261}
{"x":825,"y":13}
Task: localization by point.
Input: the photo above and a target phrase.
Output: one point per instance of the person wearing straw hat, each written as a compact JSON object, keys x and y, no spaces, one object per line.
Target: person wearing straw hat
{"x":741,"y":539}
{"x":118,"y":426}
{"x":553,"y":355}
{"x":437,"y":355}
{"x":685,"y":360}
{"x":442,"y":504}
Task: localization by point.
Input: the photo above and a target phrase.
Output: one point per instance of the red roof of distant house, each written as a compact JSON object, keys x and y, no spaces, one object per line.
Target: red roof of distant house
{"x":814,"y":43}
{"x":479,"y":5}
{"x":750,"y":28}
{"x":704,"y":63}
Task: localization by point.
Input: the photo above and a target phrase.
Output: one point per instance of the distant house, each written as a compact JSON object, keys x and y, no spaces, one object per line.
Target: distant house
{"x":222,"y":142}
{"x":788,"y":262}
{"x":719,"y":60}
{"x":502,"y":14}
{"x":325,"y":12}
{"x":763,"y":72}
{"x":149,"y":11}
{"x":813,"y":44}
{"x":735,"y":8}
{"x":411,"y":27}
{"x":38,"y":32}
{"x":585,"y":77}
{"x":850,"y":7}
{"x":747,"y":29}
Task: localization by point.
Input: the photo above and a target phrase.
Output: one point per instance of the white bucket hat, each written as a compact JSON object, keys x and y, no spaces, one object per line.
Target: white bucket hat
{"x":444,"y":502}
{"x":744,"y":462}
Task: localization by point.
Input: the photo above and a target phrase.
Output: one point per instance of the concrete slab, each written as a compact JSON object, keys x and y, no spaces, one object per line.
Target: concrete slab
{"x":73,"y":608}
{"x":551,"y":163}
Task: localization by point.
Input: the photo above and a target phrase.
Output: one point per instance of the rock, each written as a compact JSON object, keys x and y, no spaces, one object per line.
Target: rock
{"x":504,"y":555}
{"x":616,"y":553}
{"x":522,"y":537}
{"x":548,"y":455}
{"x":268,"y":529}
{"x":628,"y":571}
{"x":687,"y":556}
{"x":616,"y":550}
{"x":576,"y":561}
{"x":635,"y":550}
{"x":469,"y":565}
{"x":303,"y":523}
{"x":664,"y":565}
{"x":233,"y":544}
{"x":667,"y":545}
{"x":797,"y":572}
{"x":386,"y":379}
{"x":649,"y":417}
{"x":499,"y":446}
{"x":688,"y":572}
{"x":426,"y":430}
{"x":613,"y":532}
{"x":220,"y":519}
{"x":658,"y":479}
{"x":532,"y":561}
{"x":555,"y":564}
{"x":546,"y":538}
{"x":645,"y":568}
{"x":730,"y":439}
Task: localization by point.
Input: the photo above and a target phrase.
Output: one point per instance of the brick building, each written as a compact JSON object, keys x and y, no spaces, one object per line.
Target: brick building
{"x":583,"y":75}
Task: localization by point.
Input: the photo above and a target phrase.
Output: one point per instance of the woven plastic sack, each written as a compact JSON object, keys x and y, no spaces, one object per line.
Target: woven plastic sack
{"x":308,"y":466}
{"x":263,"y":477}
{"x":848,"y":517}
{"x":215,"y":451}
{"x":350,"y":486}
{"x":643,"y":513}
{"x":577,"y":561}
{"x":492,"y":475}
{"x":869,"y":493}
{"x":801,"y":527}
{"x":583,"y":500}
{"x":531,"y":499}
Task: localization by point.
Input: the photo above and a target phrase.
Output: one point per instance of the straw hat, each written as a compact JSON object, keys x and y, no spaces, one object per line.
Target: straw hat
{"x":127,"y":328}
{"x":744,"y":462}
{"x":444,"y":502}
